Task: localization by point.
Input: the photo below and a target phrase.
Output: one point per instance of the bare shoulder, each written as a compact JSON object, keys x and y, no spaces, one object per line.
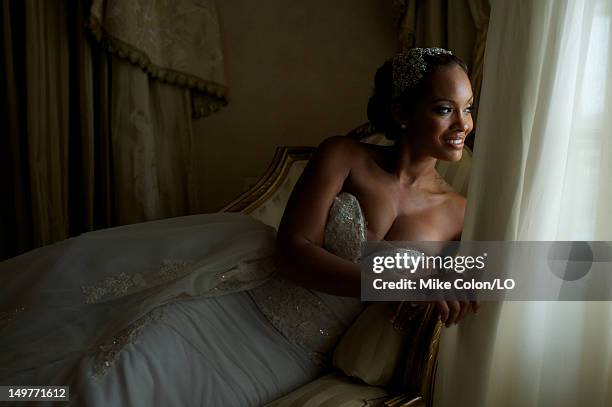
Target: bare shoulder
{"x":314,"y":193}
{"x":339,"y":147}
{"x":338,"y":155}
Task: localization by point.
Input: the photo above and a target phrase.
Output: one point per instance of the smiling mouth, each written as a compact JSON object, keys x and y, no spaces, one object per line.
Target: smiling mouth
{"x":455,"y":142}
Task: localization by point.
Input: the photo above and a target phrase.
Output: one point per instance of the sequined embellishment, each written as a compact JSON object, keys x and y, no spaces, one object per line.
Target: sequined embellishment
{"x":298,"y":313}
{"x":112,"y":286}
{"x":300,"y":316}
{"x":108,"y":353}
{"x":247,"y":273}
{"x":408,"y":67}
{"x":119,"y":284}
{"x":345,"y":231}
{"x":173,"y":269}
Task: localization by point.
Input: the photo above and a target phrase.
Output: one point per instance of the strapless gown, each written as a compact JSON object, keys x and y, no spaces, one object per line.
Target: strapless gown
{"x":185,"y":311}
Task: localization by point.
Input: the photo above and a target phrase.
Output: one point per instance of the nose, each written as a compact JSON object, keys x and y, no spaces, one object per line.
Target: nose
{"x":462,"y":122}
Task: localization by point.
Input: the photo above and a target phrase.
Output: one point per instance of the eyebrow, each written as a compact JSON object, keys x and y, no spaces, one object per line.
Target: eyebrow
{"x":448,"y":100}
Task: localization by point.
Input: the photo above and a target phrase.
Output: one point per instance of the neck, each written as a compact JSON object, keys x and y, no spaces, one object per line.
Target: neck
{"x":412,"y":165}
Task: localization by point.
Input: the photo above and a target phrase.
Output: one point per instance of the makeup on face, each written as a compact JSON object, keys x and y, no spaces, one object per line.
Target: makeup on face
{"x":447,"y":117}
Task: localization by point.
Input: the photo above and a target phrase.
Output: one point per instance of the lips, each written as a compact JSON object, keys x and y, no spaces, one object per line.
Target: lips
{"x":455,"y":142}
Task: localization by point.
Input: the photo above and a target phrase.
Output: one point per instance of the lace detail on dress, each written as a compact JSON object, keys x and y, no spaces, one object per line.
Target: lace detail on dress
{"x":300,"y":314}
{"x":113,"y":286}
{"x":108,"y":352}
{"x":345,"y":231}
{"x":173,"y":269}
{"x":119,"y":284}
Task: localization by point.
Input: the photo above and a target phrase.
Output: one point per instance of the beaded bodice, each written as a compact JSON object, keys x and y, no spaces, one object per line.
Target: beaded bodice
{"x":311,"y":319}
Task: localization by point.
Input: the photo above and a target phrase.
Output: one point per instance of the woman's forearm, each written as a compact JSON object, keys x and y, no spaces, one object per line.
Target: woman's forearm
{"x":314,"y":267}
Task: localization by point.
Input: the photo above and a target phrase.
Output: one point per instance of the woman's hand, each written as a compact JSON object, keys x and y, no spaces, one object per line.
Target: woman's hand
{"x":452,"y":312}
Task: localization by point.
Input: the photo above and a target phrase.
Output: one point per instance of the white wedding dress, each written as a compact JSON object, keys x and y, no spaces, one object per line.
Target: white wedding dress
{"x":184,"y":311}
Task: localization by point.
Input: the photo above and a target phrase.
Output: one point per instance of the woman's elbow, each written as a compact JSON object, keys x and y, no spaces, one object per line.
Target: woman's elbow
{"x":289,"y":250}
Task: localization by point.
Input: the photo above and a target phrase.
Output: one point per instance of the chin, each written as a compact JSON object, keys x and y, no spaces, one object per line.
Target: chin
{"x":451,"y":156}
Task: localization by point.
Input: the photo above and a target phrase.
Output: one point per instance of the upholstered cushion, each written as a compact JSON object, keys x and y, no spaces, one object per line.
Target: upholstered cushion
{"x":333,"y":390}
{"x":371,"y":348}
{"x":271,"y":211}
{"x":377,"y":138}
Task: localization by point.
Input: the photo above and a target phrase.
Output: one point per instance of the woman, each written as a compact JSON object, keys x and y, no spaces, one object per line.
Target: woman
{"x":183,"y":312}
{"x":422,"y":100}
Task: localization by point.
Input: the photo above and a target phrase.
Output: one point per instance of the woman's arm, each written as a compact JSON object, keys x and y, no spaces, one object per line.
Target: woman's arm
{"x":302,"y":229}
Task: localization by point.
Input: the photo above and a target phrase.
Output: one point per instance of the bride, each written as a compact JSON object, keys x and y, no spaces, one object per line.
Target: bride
{"x":195,"y":311}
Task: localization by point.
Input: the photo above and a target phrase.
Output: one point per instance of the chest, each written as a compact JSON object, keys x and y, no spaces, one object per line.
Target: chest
{"x":404,"y":215}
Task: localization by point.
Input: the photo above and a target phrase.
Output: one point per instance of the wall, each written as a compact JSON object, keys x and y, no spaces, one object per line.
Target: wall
{"x":298,"y":72}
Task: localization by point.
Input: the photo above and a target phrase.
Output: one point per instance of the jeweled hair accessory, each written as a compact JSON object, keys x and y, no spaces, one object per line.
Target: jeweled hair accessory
{"x":409,"y":67}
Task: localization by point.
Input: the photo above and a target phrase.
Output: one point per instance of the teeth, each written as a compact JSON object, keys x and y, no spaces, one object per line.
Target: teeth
{"x":455,"y":141}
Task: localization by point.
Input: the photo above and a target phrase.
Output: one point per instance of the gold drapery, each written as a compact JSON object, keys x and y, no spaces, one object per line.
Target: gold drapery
{"x":91,"y":138}
{"x":176,"y":42}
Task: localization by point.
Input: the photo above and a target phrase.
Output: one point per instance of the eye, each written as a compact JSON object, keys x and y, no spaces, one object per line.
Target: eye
{"x":443,"y":110}
{"x":470,"y":110}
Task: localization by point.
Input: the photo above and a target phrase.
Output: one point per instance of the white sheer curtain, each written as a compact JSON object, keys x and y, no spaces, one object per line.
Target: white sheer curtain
{"x":542,"y":168}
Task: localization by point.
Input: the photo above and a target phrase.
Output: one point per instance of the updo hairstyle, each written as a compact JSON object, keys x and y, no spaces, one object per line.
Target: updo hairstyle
{"x":379,"y":106}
